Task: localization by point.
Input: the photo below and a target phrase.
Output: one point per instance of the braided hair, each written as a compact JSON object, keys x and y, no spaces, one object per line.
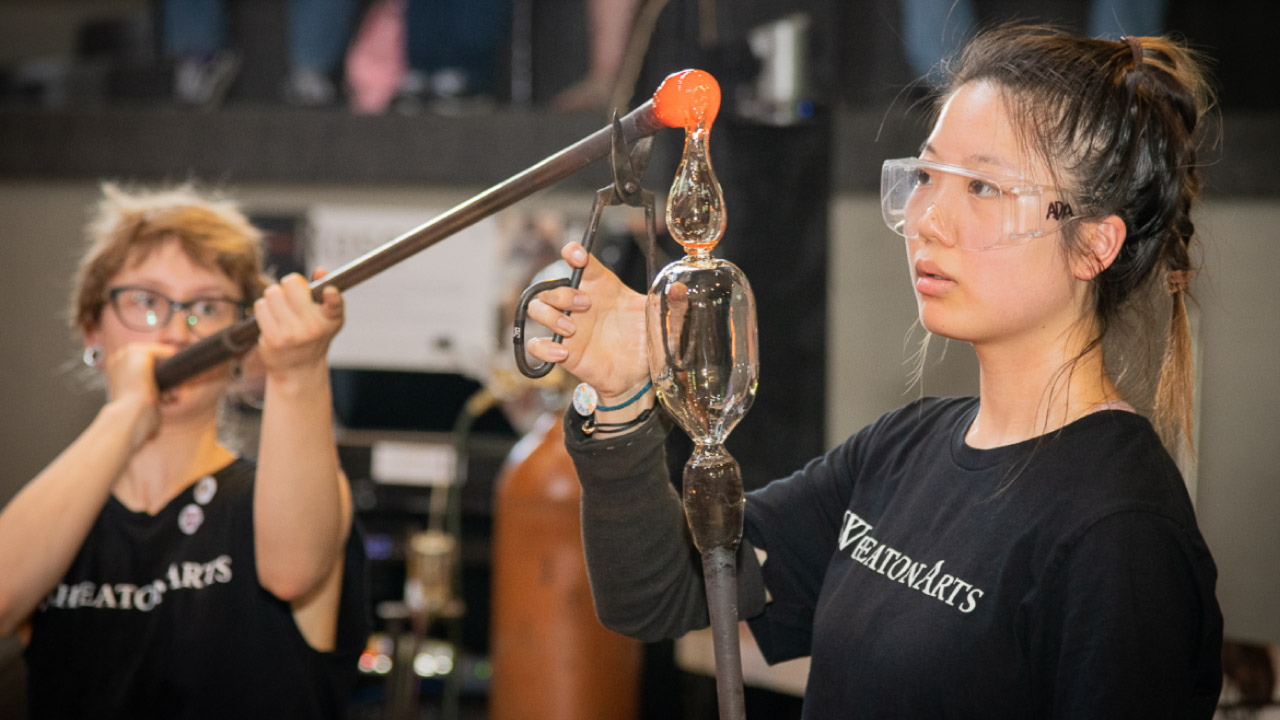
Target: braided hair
{"x":1119,"y":124}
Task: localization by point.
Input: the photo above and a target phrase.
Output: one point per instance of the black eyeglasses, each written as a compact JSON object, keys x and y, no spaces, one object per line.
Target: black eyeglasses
{"x":142,"y":309}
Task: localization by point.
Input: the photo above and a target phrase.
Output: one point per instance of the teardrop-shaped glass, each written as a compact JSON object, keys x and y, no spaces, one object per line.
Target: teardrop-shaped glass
{"x":695,"y":205}
{"x":703,"y":352}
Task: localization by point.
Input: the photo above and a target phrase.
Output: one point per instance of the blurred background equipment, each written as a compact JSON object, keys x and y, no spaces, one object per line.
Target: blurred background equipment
{"x":551,"y":656}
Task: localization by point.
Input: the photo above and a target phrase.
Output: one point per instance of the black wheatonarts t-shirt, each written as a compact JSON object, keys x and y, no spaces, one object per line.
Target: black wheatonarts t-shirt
{"x":162,"y":616}
{"x":1063,"y":577}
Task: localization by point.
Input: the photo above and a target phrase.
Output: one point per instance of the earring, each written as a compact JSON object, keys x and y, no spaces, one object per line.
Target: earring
{"x":237,"y":369}
{"x":92,"y":356}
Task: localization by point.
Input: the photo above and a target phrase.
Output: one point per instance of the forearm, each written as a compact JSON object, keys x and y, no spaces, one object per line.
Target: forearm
{"x":301,"y":500}
{"x":44,"y":525}
{"x":645,"y":574}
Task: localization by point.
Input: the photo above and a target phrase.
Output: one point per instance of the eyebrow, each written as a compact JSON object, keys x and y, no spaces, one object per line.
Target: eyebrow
{"x":980,"y":159}
{"x":204,"y":291}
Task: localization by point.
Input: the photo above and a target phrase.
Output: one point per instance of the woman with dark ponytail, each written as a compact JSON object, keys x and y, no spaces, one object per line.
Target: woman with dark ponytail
{"x":1031,"y":552}
{"x":1120,"y":124}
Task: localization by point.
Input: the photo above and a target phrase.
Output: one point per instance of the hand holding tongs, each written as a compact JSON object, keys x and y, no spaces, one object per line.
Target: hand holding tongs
{"x":628,"y":168}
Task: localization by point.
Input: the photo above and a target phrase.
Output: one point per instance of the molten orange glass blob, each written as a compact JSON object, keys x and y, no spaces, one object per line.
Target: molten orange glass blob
{"x":689,"y":99}
{"x":695,"y":205}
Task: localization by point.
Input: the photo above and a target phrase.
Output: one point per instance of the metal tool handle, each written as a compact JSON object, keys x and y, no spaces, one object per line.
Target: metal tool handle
{"x":518,"y":329}
{"x":628,"y":167}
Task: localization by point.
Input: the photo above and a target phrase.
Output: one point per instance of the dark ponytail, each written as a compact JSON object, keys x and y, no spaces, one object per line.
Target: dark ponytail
{"x":1119,"y":124}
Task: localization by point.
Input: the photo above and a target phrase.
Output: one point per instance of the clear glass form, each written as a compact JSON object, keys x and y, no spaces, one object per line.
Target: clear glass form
{"x":703,"y":360}
{"x":703,"y":348}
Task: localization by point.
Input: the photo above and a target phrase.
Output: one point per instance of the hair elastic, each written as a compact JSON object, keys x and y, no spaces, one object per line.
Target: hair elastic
{"x":1135,"y":47}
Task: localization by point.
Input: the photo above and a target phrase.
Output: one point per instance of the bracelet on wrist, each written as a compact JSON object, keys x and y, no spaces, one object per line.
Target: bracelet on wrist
{"x":591,"y":427}
{"x":586,"y":403}
{"x":632,"y":399}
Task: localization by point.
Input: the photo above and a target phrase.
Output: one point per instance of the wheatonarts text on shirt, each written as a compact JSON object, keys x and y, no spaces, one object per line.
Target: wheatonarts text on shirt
{"x":899,"y":567}
{"x":131,"y":596}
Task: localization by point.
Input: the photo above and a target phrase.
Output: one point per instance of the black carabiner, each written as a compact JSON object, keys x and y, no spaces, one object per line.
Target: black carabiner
{"x":517,"y":332}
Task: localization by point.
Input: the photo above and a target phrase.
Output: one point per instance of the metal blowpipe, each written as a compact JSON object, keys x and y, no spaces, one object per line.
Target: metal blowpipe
{"x":241,"y":337}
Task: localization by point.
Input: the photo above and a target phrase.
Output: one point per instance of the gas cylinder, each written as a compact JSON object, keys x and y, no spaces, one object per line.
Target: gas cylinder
{"x":552,"y":659}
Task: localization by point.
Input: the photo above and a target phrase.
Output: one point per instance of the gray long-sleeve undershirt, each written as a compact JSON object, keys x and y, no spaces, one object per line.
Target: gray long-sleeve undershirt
{"x":645,"y":574}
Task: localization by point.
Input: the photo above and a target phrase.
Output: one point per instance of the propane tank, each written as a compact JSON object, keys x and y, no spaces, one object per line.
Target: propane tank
{"x":551,"y":657}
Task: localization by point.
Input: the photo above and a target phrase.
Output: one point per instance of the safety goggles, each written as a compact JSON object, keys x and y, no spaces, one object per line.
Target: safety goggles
{"x":996,"y":212}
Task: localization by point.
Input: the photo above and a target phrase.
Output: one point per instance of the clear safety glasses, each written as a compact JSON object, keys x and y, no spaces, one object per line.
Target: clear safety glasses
{"x":993,"y":212}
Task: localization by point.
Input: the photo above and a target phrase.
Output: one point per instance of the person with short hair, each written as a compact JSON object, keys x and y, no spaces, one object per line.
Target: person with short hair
{"x":152,"y":571}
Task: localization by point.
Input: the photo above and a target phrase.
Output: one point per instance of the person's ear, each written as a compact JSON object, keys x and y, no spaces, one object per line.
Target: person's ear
{"x":1102,"y":242}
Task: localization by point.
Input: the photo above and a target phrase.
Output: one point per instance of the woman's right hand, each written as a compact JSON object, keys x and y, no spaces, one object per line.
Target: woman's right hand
{"x":130,"y":373}
{"x":604,"y":339}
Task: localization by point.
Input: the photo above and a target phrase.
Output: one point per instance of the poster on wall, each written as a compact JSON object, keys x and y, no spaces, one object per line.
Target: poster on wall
{"x":433,"y":312}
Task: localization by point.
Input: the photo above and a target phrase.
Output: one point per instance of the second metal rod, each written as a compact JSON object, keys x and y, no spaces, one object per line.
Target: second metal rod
{"x":240,"y":337}
{"x":721,"y":577}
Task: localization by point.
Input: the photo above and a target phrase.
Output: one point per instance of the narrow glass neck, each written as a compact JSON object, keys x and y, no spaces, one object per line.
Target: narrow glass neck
{"x":695,"y":205}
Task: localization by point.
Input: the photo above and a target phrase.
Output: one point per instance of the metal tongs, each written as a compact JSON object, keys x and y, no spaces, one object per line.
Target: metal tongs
{"x":628,"y":168}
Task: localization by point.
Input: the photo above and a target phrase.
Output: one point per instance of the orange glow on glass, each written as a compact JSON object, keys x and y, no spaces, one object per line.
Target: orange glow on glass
{"x":689,"y":99}
{"x":695,"y":205}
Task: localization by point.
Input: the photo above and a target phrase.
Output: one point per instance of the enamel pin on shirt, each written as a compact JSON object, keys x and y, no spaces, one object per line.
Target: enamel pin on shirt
{"x":205,"y":489}
{"x":190,"y":519}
